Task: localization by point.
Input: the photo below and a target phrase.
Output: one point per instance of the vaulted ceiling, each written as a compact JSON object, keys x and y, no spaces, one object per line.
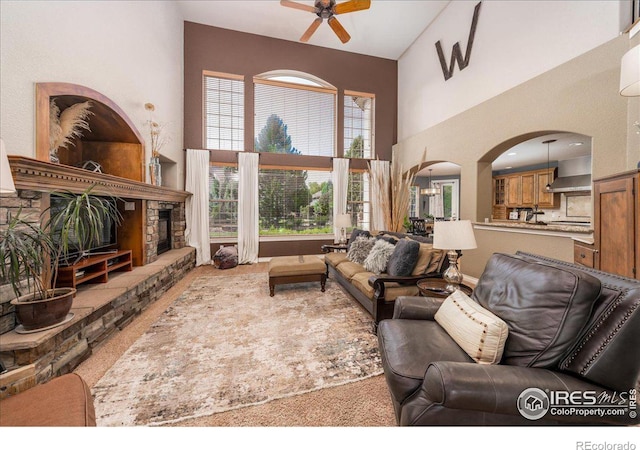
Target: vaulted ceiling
{"x":384,"y":30}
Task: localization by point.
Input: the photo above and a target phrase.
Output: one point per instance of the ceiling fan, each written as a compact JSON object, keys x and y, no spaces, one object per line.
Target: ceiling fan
{"x":328,"y":9}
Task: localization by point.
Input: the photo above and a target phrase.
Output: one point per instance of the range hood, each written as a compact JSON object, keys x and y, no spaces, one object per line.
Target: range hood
{"x":574,"y":175}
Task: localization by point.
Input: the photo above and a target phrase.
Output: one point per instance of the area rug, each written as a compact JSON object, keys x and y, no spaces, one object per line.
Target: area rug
{"x":226,"y":344}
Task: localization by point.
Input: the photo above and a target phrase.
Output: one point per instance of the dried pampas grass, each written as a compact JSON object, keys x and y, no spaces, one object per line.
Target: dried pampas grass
{"x":67,"y":125}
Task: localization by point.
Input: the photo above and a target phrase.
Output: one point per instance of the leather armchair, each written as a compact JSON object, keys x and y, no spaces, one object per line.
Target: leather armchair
{"x":432,"y":381}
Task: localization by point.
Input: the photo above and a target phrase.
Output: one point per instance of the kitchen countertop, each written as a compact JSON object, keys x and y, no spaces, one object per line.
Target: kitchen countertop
{"x":517,"y":225}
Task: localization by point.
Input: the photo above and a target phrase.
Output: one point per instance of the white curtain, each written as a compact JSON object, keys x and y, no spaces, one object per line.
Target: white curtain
{"x":380,"y":202}
{"x":340,"y":179}
{"x":197,"y":205}
{"x":248,"y":240}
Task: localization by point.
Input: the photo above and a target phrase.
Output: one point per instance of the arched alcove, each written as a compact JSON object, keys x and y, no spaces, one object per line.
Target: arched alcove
{"x":444,"y":175}
{"x":113,"y":140}
{"x":522,"y":166}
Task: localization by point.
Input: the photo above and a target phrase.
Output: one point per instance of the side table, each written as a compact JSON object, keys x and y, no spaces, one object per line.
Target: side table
{"x":436,"y":287}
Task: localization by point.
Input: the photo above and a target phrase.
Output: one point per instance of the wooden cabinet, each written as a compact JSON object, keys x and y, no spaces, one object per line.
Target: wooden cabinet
{"x":617,"y":224}
{"x":513,"y":197}
{"x":526,"y":189}
{"x":498,"y":207}
{"x":546,"y":199}
{"x":584,"y":254}
{"x":499,"y":190}
{"x":94,"y":269}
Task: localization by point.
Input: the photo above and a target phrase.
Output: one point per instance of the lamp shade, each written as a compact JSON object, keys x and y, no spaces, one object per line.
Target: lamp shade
{"x":454,"y":235}
{"x":630,"y":73}
{"x":343,"y":220}
{"x":6,"y":179}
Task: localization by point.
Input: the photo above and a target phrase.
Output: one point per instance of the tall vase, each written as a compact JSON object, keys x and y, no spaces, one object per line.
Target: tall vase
{"x":155,"y":171}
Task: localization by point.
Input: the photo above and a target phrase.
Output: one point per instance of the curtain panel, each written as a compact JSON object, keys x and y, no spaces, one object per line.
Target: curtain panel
{"x":248,"y":239}
{"x":197,"y":205}
{"x":340,"y":179}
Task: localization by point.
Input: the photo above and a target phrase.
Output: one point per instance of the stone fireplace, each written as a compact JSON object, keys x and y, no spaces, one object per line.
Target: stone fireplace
{"x":117,"y":146}
{"x":165,"y":228}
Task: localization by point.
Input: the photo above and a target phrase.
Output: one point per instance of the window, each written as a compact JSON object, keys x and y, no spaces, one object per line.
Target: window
{"x":223,"y":201}
{"x":294,"y":118}
{"x":358,"y":200}
{"x":358,"y":125}
{"x":295,"y":202}
{"x":447,"y":204}
{"x":414,"y":193}
{"x":223,"y":111}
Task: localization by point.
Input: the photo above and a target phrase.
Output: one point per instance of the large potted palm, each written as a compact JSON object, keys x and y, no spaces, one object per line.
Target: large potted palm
{"x":30,"y":255}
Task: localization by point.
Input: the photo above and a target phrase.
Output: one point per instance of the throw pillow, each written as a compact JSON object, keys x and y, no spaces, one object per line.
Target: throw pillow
{"x":376,"y":261}
{"x":425,"y":255}
{"x":387,"y":237}
{"x":404,"y":258}
{"x":546,"y":307}
{"x":354,"y":235}
{"x":360,"y":248}
{"x":477,"y":331}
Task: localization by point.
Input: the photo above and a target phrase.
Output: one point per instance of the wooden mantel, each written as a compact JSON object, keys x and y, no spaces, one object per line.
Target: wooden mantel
{"x":32,"y":174}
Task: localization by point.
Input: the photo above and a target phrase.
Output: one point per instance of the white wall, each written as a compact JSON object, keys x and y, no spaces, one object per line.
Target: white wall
{"x":514,"y":42}
{"x":130,"y":51}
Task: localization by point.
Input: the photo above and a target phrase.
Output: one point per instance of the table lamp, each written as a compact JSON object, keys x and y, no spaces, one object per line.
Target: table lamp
{"x":343,"y":221}
{"x":453,"y":235}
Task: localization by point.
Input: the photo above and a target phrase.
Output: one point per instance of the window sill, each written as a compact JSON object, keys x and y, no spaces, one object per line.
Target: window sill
{"x":280,"y":238}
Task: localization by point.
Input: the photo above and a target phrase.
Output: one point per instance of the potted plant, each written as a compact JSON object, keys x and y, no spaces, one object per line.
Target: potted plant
{"x":30,"y":255}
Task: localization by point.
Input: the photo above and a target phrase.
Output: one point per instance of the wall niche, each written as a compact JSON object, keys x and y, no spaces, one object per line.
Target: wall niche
{"x":113,"y":141}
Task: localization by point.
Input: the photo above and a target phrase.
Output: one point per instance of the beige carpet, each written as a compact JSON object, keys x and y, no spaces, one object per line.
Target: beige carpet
{"x":361,"y":403}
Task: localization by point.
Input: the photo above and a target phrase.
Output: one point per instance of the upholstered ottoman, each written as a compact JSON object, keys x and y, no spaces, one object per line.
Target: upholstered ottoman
{"x":64,"y":401}
{"x":296,"y":269}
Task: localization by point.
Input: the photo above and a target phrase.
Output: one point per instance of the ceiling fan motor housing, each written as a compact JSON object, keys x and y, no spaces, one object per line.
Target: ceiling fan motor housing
{"x":324,"y":8}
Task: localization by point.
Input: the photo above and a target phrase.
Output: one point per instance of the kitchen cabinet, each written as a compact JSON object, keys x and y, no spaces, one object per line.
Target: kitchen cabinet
{"x":546,"y":199}
{"x":498,"y":207}
{"x":617,"y":223}
{"x":584,"y":254}
{"x":513,"y":197}
{"x":526,"y":189}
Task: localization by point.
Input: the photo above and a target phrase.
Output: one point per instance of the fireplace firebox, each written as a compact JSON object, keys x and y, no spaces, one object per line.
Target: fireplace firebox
{"x":164,"y":231}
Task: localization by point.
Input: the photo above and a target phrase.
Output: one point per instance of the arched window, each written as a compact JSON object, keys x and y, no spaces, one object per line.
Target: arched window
{"x":294,"y":113}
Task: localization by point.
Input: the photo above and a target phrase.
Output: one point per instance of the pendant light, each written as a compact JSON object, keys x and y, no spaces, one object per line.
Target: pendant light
{"x":430,"y":190}
{"x":547,"y":188}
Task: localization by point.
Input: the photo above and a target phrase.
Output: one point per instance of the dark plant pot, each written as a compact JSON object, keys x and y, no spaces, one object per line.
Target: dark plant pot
{"x":35,"y":314}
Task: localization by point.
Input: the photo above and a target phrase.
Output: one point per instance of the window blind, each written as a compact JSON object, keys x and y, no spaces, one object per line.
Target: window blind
{"x":295,"y":120}
{"x":224,"y":113}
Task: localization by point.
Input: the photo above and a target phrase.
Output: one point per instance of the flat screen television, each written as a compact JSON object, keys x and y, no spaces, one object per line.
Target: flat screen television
{"x":106,"y":241}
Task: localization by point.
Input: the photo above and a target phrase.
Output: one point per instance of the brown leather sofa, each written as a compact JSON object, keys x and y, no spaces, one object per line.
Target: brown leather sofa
{"x":377,"y":293}
{"x":592,"y":361}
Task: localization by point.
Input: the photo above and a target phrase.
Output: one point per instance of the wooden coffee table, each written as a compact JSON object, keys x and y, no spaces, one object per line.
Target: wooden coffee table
{"x":436,"y":287}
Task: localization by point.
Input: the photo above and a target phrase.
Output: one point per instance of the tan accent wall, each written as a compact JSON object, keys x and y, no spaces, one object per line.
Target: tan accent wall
{"x":489,"y":242}
{"x":579,"y":96}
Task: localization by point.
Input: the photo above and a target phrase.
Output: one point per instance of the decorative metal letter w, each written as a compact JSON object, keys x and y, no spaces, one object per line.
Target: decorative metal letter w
{"x":456,"y":53}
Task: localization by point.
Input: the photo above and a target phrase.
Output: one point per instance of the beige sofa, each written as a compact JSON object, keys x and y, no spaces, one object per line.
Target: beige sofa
{"x":378,"y":292}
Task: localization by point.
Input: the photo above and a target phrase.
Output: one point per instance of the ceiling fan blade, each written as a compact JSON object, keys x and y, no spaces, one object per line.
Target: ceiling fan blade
{"x":351,"y":6}
{"x":312,"y":29}
{"x":339,"y":29}
{"x":290,"y":4}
